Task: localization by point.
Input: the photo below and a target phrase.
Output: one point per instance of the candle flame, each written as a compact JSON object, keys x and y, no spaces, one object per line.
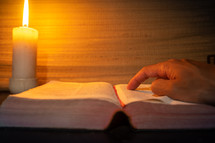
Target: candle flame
{"x":25,"y":14}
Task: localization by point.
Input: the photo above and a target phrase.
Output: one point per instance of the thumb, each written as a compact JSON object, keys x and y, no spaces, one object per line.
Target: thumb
{"x":162,"y":87}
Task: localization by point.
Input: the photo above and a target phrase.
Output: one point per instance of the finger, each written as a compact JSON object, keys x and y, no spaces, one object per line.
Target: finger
{"x":162,"y":87}
{"x":157,"y":70}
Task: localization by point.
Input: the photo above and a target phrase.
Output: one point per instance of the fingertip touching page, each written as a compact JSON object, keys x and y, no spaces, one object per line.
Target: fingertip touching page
{"x":142,"y":93}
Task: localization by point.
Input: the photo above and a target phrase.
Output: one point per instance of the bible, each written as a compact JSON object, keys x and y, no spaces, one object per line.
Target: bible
{"x":93,"y":105}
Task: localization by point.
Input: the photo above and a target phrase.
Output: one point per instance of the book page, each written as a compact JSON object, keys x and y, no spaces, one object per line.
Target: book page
{"x":142,"y":93}
{"x":56,"y":90}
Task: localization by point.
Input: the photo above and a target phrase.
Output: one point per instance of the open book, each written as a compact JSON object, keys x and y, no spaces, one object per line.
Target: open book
{"x":93,"y":106}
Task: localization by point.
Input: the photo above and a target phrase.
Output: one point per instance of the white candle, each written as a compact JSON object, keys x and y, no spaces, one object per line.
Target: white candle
{"x":24,"y":56}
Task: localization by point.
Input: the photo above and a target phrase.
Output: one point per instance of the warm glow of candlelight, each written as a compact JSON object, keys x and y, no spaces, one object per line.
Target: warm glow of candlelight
{"x":25,"y":14}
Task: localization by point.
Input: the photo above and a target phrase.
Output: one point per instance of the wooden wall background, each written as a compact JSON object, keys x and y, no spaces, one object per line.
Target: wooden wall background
{"x":108,"y":40}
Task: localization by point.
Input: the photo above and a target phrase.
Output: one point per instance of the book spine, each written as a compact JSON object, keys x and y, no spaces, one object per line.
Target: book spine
{"x":122,"y":104}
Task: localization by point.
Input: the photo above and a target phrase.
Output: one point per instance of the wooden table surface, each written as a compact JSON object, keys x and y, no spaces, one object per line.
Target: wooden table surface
{"x":3,"y":96}
{"x":108,"y":40}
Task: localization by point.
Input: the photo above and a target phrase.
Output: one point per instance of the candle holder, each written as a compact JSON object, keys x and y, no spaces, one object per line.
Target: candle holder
{"x":19,"y":85}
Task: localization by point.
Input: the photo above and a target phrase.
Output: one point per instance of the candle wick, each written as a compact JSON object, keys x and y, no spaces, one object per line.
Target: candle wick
{"x":25,"y":25}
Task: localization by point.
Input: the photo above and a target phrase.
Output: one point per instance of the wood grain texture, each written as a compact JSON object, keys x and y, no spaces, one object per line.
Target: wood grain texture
{"x":108,"y":40}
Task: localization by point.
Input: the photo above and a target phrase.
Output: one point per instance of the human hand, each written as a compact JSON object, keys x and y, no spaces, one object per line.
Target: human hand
{"x":184,"y":80}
